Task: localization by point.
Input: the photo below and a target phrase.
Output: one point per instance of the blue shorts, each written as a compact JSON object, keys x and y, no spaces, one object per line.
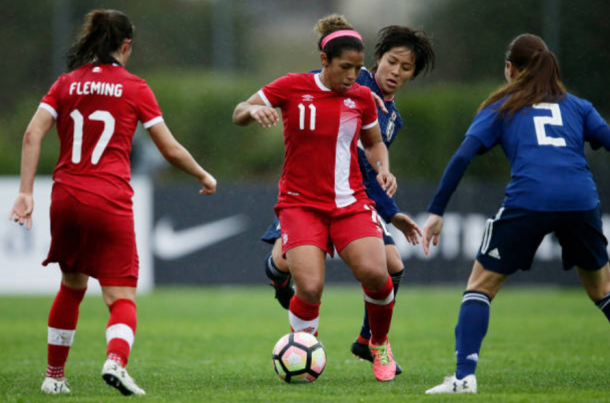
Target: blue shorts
{"x":512,"y":237}
{"x":274,"y":232}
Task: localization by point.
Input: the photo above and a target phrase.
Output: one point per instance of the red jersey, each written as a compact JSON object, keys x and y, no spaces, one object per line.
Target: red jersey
{"x":321,"y":131}
{"x":97,"y":108}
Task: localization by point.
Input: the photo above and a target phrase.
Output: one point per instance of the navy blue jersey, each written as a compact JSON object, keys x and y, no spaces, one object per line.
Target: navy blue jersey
{"x":389,"y":123}
{"x":545,"y":146}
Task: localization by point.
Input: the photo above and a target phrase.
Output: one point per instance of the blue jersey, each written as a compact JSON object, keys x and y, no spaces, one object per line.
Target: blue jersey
{"x":545,"y":146}
{"x":389,"y":123}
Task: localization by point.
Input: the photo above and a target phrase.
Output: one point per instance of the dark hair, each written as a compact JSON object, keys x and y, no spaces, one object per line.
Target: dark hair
{"x":102,"y":33}
{"x":537,"y":79}
{"x":394,"y":36}
{"x":329,"y":24}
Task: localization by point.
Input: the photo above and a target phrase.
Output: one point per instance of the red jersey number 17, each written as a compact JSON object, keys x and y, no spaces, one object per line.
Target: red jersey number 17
{"x":77,"y":142}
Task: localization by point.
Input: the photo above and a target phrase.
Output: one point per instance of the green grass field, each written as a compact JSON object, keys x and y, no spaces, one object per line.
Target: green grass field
{"x":214,"y":345}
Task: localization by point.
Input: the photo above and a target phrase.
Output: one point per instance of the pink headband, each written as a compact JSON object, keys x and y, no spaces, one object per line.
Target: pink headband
{"x":336,"y":34}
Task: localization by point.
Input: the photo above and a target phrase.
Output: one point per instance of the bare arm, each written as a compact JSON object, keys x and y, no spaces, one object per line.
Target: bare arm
{"x":179,"y":157}
{"x":39,"y":126}
{"x":254,"y":109}
{"x":377,"y":155}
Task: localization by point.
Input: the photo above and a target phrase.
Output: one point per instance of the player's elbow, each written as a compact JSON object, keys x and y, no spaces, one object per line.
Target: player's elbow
{"x":241,"y":116}
{"x":32,"y":137}
{"x":235,"y":116}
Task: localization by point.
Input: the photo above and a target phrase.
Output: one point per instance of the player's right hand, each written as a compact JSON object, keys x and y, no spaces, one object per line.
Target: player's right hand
{"x":22,"y":209}
{"x":432,"y":232}
{"x":209,"y":184}
{"x":264,"y":115}
{"x":387,"y":181}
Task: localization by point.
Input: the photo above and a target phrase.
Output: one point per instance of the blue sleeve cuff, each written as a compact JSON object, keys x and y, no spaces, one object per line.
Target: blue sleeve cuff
{"x":384,"y":204}
{"x":599,"y":138}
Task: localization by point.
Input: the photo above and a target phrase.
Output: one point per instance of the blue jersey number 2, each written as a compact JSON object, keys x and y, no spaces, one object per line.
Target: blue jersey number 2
{"x":541,"y":121}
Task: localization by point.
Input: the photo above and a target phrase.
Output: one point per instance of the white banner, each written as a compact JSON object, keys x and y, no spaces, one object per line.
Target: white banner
{"x":22,"y":251}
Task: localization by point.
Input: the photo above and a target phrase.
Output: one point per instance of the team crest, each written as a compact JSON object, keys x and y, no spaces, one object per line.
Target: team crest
{"x":307,"y":98}
{"x":349,"y":103}
{"x":390,"y":127}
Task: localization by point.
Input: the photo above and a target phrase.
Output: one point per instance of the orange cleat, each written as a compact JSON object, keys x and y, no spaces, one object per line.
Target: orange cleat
{"x":384,"y":366}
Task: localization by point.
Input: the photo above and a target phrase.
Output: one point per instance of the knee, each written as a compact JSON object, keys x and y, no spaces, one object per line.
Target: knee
{"x":76,"y":280}
{"x":278,"y":258}
{"x":375,"y":279}
{"x":309,"y":292}
{"x":280,"y":262}
{"x":112,"y":294}
{"x":599,"y":292}
{"x":395,"y":264}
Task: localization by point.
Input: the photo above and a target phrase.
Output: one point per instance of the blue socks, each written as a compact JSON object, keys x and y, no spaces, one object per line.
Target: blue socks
{"x":470,"y":331}
{"x":365,"y":331}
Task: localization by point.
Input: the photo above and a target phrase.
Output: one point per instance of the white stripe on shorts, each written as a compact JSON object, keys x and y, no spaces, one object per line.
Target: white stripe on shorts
{"x":489,"y":230}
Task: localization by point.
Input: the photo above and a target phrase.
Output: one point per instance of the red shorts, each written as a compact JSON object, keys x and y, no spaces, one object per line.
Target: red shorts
{"x":92,"y":241}
{"x":302,"y":226}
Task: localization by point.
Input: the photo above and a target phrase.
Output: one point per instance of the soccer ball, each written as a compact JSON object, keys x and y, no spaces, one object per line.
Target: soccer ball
{"x":299,"y":358}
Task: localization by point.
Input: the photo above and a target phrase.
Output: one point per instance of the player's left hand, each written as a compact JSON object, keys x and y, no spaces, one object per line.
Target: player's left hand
{"x":379,"y":102}
{"x":408,"y":227}
{"x":387,"y":182}
{"x":22,"y":209}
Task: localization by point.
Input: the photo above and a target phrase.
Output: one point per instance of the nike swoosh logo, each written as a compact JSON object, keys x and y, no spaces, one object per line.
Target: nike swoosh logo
{"x":170,"y":244}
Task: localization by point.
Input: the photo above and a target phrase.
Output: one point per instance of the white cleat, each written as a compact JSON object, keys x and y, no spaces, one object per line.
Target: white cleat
{"x":453,"y":385}
{"x":117,"y":377}
{"x":54,"y":386}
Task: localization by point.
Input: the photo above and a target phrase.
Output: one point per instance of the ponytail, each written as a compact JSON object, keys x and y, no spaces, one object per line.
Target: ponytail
{"x":537,"y":79}
{"x":102,"y":33}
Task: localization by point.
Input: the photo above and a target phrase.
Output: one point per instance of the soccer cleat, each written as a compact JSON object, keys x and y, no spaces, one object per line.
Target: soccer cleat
{"x":283,"y":292}
{"x":54,"y":386}
{"x":384,"y":366}
{"x":453,"y":385}
{"x":117,"y":377}
{"x":363,"y":352}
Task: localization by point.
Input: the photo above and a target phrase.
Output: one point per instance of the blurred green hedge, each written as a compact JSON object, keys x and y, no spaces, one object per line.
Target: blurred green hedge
{"x":198,"y":106}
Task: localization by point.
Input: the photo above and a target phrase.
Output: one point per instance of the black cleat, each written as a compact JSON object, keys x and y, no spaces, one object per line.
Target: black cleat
{"x":283,"y":293}
{"x":363,"y":352}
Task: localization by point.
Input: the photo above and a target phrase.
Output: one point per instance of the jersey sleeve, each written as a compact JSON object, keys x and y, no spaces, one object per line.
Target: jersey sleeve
{"x":595,"y":128}
{"x":454,"y":172}
{"x":50,"y":102}
{"x":487,"y":126}
{"x":147,"y":108}
{"x":369,"y":115}
{"x":276,"y":93}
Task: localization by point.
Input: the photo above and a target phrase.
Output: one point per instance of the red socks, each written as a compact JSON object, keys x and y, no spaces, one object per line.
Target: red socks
{"x":121,"y":330}
{"x":380,"y":306}
{"x":304,"y":317}
{"x":62,"y":325}
{"x":63,"y":317}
